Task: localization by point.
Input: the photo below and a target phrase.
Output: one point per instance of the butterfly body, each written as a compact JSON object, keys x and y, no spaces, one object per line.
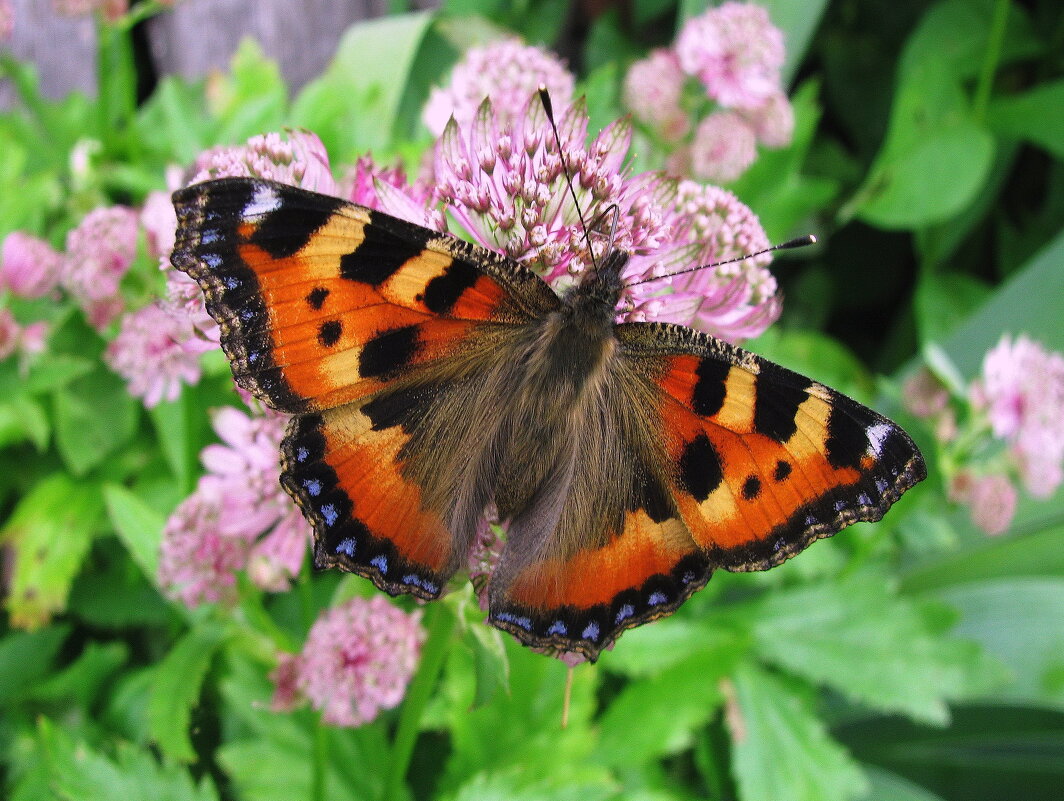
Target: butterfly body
{"x":432,"y":379}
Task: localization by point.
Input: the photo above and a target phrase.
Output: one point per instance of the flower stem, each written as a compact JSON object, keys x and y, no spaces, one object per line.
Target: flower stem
{"x":991,"y":58}
{"x":440,"y":621}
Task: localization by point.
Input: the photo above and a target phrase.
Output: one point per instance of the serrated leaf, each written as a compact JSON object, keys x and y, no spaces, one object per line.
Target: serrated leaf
{"x":781,"y":750}
{"x":50,"y":532}
{"x":873,"y":647}
{"x":137,"y":525}
{"x":25,"y":657}
{"x":94,"y":417}
{"x":176,"y":689}
{"x":80,"y":681}
{"x":78,"y":772}
{"x":657,"y":716}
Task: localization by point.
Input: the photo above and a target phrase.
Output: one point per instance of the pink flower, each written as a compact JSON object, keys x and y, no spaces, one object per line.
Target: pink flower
{"x":238,"y":518}
{"x":10,"y":332}
{"x":772,"y":121}
{"x":185,"y":298}
{"x":735,"y":51}
{"x":297,"y":158}
{"x":504,"y":183}
{"x":99,"y":252}
{"x":723,"y":148}
{"x":386,"y":189}
{"x":653,"y":89}
{"x":197,"y":561}
{"x":924,"y":395}
{"x":508,"y":72}
{"x":358,"y":660}
{"x":991,"y":498}
{"x":156,"y":350}
{"x":732,"y":301}
{"x":1022,"y":391}
{"x":160,"y":222}
{"x":29,"y":267}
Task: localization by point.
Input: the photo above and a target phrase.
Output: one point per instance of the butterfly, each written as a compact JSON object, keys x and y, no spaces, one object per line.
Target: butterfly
{"x":431,"y":379}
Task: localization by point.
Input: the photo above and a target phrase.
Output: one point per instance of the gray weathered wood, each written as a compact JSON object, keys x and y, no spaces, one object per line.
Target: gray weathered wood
{"x":201,"y":35}
{"x":62,"y":48}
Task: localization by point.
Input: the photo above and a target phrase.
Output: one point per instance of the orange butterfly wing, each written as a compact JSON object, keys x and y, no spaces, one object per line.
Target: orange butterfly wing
{"x":323,"y":305}
{"x":755,"y":463}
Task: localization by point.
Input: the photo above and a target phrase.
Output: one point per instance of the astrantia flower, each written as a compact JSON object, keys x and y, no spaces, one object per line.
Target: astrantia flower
{"x":98,"y":253}
{"x":160,"y":223}
{"x":298,"y":159}
{"x":197,"y":561}
{"x":358,"y":660}
{"x":508,"y":72}
{"x":184,"y":297}
{"x":386,"y":189}
{"x":731,"y":301}
{"x":505,"y":183}
{"x":29,"y":267}
{"x":1022,"y":390}
{"x":652,"y":90}
{"x":156,"y":351}
{"x":724,"y":147}
{"x":239,"y":518}
{"x":735,"y":51}
{"x":991,"y":500}
{"x":772,"y":121}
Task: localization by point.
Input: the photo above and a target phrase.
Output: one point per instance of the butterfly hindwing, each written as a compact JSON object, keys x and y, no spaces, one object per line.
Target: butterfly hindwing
{"x":764,"y":460}
{"x":322,"y":302}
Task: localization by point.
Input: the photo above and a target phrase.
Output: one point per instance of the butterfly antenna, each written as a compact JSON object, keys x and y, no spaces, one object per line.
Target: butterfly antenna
{"x":544,"y":98}
{"x":790,"y":244}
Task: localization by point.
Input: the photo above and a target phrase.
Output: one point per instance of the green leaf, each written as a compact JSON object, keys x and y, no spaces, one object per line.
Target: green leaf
{"x":94,"y":417}
{"x":1038,"y":554}
{"x":649,"y":650}
{"x":78,"y":772}
{"x":517,"y":784}
{"x":22,"y":418}
{"x":781,"y":749}
{"x":80,"y":682}
{"x":1021,"y":622}
{"x":928,"y":181}
{"x":1035,"y":116}
{"x":659,"y":715}
{"x":871,"y":646}
{"x":253,"y":97}
{"x":137,"y":525}
{"x":944,"y":301}
{"x":1028,"y":303}
{"x":354,"y":106}
{"x":886,"y":786}
{"x":179,"y":426}
{"x":176,"y":689}
{"x":26,"y":657}
{"x":50,"y":532}
{"x":49,"y":372}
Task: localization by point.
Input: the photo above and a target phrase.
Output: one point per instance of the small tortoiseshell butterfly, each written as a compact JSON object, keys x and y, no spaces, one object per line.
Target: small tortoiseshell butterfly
{"x":431,"y":378}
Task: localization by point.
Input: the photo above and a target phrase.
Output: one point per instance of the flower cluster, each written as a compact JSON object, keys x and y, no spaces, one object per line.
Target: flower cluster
{"x":505,"y":184}
{"x":1009,"y":432}
{"x":734,"y":53}
{"x":508,"y":72}
{"x":238,"y":518}
{"x":356,"y":662}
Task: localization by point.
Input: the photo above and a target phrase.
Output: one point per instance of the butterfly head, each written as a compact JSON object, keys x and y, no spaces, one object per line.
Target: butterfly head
{"x":599,"y":290}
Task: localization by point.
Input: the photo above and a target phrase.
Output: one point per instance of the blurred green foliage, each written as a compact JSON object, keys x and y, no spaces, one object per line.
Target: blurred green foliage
{"x":910,"y":660}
